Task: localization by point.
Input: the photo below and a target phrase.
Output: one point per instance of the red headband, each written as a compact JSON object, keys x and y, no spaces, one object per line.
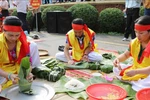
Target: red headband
{"x":77,"y":27}
{"x":142,"y":27}
{"x":12,"y":28}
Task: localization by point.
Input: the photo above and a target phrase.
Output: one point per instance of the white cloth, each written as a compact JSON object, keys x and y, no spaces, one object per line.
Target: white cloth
{"x":34,"y":53}
{"x":141,"y":84}
{"x":11,"y":4}
{"x":22,"y":5}
{"x":133,"y":3}
{"x":93,"y":56}
{"x":4,"y":4}
{"x":136,"y":85}
{"x":116,"y":71}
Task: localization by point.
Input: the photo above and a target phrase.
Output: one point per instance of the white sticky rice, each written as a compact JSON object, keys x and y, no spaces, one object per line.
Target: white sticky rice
{"x":74,"y":84}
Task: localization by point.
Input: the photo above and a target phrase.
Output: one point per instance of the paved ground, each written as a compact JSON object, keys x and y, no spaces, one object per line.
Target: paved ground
{"x":51,"y":41}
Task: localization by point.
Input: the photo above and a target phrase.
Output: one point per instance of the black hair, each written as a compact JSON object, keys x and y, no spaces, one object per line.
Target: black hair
{"x":12,"y":20}
{"x":143,"y":20}
{"x":78,"y":21}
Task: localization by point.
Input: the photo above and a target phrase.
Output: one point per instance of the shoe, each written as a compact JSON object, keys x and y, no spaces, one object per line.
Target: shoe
{"x":125,"y":39}
{"x":61,"y":48}
{"x":35,"y":36}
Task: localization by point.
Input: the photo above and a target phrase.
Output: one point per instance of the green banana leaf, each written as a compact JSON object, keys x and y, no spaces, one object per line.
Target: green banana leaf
{"x":80,"y":95}
{"x":109,"y":56}
{"x":126,"y":86}
{"x":59,"y":85}
{"x":97,"y":79}
{"x":107,"y":61}
{"x":24,"y":85}
{"x":78,"y":65}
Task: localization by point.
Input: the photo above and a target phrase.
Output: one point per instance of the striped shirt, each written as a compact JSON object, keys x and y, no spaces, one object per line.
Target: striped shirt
{"x":80,"y":40}
{"x":133,"y":3}
{"x":13,"y":53}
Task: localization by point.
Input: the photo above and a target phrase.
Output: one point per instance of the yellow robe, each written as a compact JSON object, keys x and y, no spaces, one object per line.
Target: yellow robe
{"x":137,"y":64}
{"x":5,"y":64}
{"x":77,"y":51}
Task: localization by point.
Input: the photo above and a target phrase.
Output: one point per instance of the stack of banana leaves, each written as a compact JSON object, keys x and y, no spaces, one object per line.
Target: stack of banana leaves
{"x":106,"y":65}
{"x":51,"y":70}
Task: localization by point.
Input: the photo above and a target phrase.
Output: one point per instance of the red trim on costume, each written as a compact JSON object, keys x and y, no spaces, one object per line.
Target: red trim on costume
{"x":141,"y":59}
{"x":90,"y":35}
{"x":10,"y":58}
{"x":76,"y":60}
{"x":82,"y":45}
{"x":122,"y":71}
{"x":146,"y":52}
{"x":2,"y":18}
{"x":77,"y":27}
{"x":68,"y":40}
{"x":142,"y":27}
{"x":12,"y":28}
{"x":0,"y":29}
{"x":24,"y":49}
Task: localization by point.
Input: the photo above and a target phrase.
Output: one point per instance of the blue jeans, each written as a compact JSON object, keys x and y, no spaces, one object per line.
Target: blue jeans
{"x":147,"y":12}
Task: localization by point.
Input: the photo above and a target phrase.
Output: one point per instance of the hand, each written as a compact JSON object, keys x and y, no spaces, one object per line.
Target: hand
{"x":30,"y":77}
{"x":124,"y":10}
{"x":14,"y":5}
{"x":14,"y":78}
{"x":85,"y":58}
{"x":131,"y":73}
{"x":71,"y":62}
{"x":116,"y":63}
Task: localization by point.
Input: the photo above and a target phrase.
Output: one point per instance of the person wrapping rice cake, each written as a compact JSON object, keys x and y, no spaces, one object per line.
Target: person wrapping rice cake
{"x":13,"y":48}
{"x":139,"y":50}
{"x":81,"y":40}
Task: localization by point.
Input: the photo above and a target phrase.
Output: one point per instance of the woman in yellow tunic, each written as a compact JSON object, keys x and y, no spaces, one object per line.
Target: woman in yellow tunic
{"x":139,"y":50}
{"x":13,"y":47}
{"x":81,"y":39}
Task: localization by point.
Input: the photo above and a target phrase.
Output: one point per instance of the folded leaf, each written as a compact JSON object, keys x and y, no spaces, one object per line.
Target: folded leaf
{"x":24,"y":85}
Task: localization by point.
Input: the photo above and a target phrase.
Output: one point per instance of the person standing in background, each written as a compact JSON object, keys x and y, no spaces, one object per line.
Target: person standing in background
{"x":146,"y":4}
{"x":22,"y":7}
{"x":132,"y":8}
{"x":36,"y":14}
{"x":4,"y":8}
{"x":10,"y":4}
